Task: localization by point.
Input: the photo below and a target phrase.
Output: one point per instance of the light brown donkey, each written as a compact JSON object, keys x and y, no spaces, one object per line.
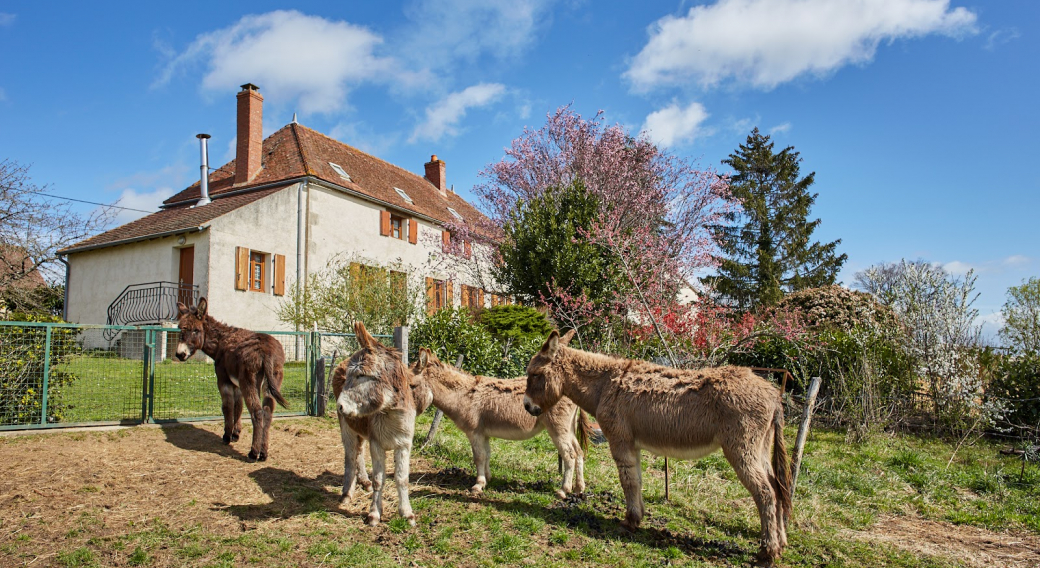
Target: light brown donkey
{"x":485,"y":407}
{"x":684,"y":414}
{"x":376,"y":400}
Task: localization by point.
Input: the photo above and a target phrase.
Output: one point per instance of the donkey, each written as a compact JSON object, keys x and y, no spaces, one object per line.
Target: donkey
{"x":377,"y":399}
{"x":485,"y":407}
{"x":683,"y":414}
{"x":247,"y":364}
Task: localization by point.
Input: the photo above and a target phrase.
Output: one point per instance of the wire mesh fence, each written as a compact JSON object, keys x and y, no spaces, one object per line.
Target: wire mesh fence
{"x":56,"y":375}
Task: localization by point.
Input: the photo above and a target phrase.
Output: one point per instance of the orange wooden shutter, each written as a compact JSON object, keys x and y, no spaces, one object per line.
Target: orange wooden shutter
{"x":464,"y":297}
{"x":450,"y":286}
{"x":431,"y":291}
{"x":279,"y":275}
{"x":480,"y":298}
{"x":241,"y":268}
{"x":384,"y":223}
{"x":413,"y":231}
{"x":445,"y":238}
{"x":469,"y":249}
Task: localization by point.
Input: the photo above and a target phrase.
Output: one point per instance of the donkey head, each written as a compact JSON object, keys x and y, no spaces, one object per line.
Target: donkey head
{"x":544,"y":382}
{"x":377,"y":380}
{"x":192,"y":322}
{"x":431,"y":370}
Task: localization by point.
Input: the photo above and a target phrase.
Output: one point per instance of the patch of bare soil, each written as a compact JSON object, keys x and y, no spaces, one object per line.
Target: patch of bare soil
{"x":59,"y":491}
{"x":971,"y":545}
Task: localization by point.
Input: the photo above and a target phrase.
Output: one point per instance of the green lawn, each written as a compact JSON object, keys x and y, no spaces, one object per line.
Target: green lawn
{"x":109,"y":389}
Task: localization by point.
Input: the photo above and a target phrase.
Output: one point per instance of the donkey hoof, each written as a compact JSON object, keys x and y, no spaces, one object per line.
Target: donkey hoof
{"x":476,"y":490}
{"x":561,"y":494}
{"x":228,"y":439}
{"x":366,"y":485}
{"x":262,"y":457}
{"x":234,"y":437}
{"x":629,"y":526}
{"x":411,"y":520}
{"x":373,"y":520}
{"x":252,"y":455}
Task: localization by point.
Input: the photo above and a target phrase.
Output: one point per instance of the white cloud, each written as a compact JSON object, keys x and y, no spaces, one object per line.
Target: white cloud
{"x":763,"y":43}
{"x":446,"y":31}
{"x":142,"y":200}
{"x":958,"y":268}
{"x":443,"y":116}
{"x":1001,"y":37}
{"x":780,"y":128}
{"x":290,"y":56}
{"x":1016,"y":260}
{"x":6,"y":19}
{"x":675,"y":125}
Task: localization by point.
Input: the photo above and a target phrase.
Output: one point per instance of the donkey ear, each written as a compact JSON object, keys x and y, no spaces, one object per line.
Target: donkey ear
{"x":181,"y":309}
{"x":552,"y":345}
{"x":565,"y":339}
{"x":364,"y":339}
{"x":202,"y":307}
{"x":424,"y":359}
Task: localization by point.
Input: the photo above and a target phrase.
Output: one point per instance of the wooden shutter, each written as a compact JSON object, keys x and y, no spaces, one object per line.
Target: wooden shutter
{"x":241,"y":268}
{"x":413,"y":231}
{"x":384,"y":223}
{"x":445,"y":238}
{"x":449,"y":288}
{"x":480,"y":298}
{"x":279,"y":275}
{"x":431,"y":291}
{"x":464,"y":298}
{"x":469,"y":249}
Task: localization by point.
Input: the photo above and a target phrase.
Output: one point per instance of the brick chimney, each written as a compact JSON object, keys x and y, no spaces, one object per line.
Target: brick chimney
{"x":435,"y":174}
{"x":250,"y":133}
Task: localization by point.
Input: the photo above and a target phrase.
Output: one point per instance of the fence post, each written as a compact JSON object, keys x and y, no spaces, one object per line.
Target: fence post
{"x":401,"y":341}
{"x":46,"y":376}
{"x":803,"y":431}
{"x":147,"y":378}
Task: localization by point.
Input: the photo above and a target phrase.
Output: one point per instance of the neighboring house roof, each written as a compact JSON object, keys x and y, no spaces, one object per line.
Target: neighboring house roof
{"x":292,"y":152}
{"x":15,"y":263}
{"x":169,"y":221}
{"x":296,"y":151}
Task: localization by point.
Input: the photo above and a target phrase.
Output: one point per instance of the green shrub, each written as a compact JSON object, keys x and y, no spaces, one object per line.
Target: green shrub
{"x":450,"y":333}
{"x":22,"y":361}
{"x":1017,"y":382}
{"x":516,"y":323}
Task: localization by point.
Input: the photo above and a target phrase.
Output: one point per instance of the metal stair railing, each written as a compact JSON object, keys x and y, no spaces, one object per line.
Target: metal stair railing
{"x":148,"y":303}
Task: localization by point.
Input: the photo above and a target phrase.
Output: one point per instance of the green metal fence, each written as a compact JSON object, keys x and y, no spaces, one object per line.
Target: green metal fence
{"x":60,"y":375}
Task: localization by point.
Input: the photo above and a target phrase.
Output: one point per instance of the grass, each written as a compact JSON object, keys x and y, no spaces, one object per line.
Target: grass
{"x":109,"y":389}
{"x":709,"y":521}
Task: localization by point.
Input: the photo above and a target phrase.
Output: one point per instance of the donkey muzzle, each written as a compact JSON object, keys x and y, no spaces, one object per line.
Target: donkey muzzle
{"x":531,"y":408}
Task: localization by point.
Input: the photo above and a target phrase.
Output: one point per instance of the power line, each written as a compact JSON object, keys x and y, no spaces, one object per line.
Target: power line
{"x":89,"y":202}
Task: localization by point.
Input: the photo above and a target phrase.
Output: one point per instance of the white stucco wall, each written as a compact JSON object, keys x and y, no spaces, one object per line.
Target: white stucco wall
{"x":97,"y":277}
{"x":337,"y":224}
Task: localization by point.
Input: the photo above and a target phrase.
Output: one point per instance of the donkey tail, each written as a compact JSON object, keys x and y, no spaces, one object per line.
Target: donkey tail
{"x":585,"y":431}
{"x":781,"y":477}
{"x":270,"y":373}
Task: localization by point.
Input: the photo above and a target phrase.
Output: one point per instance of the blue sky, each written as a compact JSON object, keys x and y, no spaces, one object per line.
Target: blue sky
{"x":916,"y":115}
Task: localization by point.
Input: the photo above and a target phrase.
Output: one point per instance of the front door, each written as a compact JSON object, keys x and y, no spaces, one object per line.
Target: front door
{"x":187,"y":276}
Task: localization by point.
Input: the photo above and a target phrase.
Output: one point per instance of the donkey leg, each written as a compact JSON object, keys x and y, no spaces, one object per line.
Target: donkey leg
{"x":227,"y":403}
{"x":402,"y":456}
{"x":256,"y":415}
{"x":268,"y":409}
{"x":627,"y":457}
{"x":236,"y":431}
{"x":378,"y":479}
{"x":481,"y":457}
{"x":579,"y":467}
{"x":351,"y":451}
{"x":562,"y":441}
{"x":755,"y":478}
{"x":362,"y":470}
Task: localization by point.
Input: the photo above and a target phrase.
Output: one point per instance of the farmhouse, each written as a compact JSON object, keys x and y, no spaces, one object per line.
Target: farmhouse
{"x":280,"y":211}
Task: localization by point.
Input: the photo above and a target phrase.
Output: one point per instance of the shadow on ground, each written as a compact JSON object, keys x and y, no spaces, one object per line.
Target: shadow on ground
{"x":193,"y":438}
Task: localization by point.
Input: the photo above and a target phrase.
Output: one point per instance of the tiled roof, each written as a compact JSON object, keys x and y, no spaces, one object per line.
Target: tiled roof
{"x":295,"y":151}
{"x":170,"y":221}
{"x":292,"y":152}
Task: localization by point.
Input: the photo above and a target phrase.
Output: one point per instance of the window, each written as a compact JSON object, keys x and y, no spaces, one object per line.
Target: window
{"x":339,"y":170}
{"x":455,"y":213}
{"x":396,"y":227}
{"x":257,"y":271}
{"x":438,"y":294}
{"x":403,"y":194}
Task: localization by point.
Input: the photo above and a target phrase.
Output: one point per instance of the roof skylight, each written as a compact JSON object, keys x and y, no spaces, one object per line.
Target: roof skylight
{"x":455,"y":213}
{"x":403,"y":194}
{"x":339,"y":170}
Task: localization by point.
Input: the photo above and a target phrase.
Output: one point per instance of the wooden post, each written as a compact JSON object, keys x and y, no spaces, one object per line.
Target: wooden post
{"x":438,"y":415}
{"x":803,"y":430}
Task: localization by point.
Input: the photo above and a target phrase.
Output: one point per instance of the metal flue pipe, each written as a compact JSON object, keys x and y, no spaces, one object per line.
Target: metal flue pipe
{"x":204,"y":171}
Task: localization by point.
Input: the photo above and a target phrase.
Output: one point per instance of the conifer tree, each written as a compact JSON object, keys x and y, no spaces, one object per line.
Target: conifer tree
{"x":766,"y":242}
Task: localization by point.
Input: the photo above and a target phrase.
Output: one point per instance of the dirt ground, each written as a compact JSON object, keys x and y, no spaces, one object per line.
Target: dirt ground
{"x":972,"y":545}
{"x":63,"y":491}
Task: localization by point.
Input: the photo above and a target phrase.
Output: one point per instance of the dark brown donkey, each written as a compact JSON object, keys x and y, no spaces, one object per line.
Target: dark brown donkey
{"x":247,"y":364}
{"x":678,"y":413}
